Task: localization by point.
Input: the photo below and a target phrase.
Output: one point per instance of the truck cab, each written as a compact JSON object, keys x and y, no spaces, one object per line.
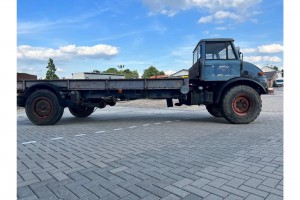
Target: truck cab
{"x":228,"y":86}
{"x":219,"y":60}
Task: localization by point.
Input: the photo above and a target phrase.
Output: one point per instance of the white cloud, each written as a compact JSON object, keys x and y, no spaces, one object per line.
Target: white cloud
{"x":59,"y":69}
{"x":221,"y":9}
{"x":248,"y":50}
{"x":219,"y":16}
{"x":256,"y":59}
{"x":206,"y":19}
{"x":26,"y":52}
{"x":272,"y":48}
{"x":225,"y":14}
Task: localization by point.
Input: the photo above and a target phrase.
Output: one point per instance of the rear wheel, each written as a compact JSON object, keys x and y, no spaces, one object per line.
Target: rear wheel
{"x":42,"y":108}
{"x":81,"y":111}
{"x":60,"y":114}
{"x":241,"y":105}
{"x":214,"y":110}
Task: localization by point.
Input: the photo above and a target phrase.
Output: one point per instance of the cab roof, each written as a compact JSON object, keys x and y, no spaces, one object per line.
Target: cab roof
{"x":217,"y":40}
{"x":214,"y":40}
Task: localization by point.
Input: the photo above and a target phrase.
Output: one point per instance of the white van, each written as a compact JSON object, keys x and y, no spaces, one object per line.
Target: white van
{"x":278,"y":83}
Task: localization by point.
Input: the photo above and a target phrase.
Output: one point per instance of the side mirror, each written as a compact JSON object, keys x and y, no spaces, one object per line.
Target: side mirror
{"x":240,"y":53}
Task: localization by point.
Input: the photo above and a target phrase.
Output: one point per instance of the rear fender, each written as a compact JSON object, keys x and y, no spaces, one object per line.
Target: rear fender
{"x":45,"y":86}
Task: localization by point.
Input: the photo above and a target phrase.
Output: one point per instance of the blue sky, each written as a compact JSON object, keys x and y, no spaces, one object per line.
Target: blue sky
{"x":83,"y":35}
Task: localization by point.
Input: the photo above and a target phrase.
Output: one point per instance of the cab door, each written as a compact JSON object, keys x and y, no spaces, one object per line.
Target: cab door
{"x":221,"y":61}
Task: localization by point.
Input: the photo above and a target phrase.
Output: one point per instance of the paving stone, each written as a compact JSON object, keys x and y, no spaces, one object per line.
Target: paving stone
{"x":177,"y":191}
{"x":235,"y":191}
{"x":212,"y":197}
{"x":254,"y":197}
{"x":270,"y":182}
{"x":131,"y":197}
{"x":171,"y":197}
{"x":197,"y":191}
{"x":274,"y":197}
{"x":42,"y":191}
{"x":119,"y":191}
{"x":253,"y":182}
{"x":233,"y":197}
{"x":24,"y":191}
{"x":192,"y":197}
{"x":253,"y":169}
{"x":60,"y":176}
{"x":218,"y":182}
{"x":222,"y":193}
{"x":235,"y":182}
{"x":151,"y":197}
{"x":138,"y":191}
{"x":254,"y":191}
{"x":270,"y":190}
{"x":201,"y":182}
{"x":183,"y":182}
{"x":157,"y":191}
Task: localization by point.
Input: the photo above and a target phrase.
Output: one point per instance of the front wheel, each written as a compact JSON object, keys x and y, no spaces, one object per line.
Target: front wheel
{"x":241,"y":105}
{"x":81,"y":111}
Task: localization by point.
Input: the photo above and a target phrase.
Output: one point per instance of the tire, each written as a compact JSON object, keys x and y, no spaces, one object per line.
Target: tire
{"x":241,"y":105}
{"x":81,"y":111}
{"x":42,"y":108}
{"x":214,"y":110}
{"x":60,"y":115}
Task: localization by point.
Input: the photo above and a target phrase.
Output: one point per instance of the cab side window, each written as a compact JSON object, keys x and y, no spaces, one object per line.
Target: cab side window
{"x":197,"y":54}
{"x":219,"y":51}
{"x":231,"y":54}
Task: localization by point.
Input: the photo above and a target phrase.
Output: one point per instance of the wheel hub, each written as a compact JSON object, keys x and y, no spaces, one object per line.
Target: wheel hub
{"x":241,"y":105}
{"x":42,"y":107}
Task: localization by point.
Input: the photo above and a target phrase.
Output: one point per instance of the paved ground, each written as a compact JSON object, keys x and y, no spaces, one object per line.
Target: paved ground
{"x":152,"y":152}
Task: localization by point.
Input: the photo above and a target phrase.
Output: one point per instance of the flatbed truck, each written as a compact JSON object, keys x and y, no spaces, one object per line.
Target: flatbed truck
{"x":219,"y":79}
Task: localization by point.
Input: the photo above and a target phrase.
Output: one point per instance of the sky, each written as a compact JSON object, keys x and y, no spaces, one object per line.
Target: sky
{"x":87,"y":35}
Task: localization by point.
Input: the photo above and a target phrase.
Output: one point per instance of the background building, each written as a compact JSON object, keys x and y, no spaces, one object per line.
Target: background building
{"x":94,"y":75}
{"x":25,"y":76}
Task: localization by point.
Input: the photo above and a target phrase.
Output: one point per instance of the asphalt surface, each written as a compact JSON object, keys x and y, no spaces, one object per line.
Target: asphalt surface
{"x":143,"y":150}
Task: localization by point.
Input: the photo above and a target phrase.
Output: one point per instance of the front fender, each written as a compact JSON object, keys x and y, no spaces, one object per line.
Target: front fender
{"x":240,"y":81}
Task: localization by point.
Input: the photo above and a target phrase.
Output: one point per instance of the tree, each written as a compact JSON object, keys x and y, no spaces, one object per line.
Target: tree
{"x":96,"y":71}
{"x":275,"y":68}
{"x":51,"y":70}
{"x":131,"y":74}
{"x":127,"y":73}
{"x":111,"y":71}
{"x":152,"y":71}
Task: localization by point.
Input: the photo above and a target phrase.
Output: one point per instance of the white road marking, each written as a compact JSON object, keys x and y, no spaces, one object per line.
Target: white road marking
{"x":168,"y":121}
{"x":157,"y":123}
{"x":117,"y":129}
{"x":100,"y":131}
{"x":79,"y":135}
{"x":30,"y":142}
{"x":58,"y":138}
{"x":132,"y":127}
{"x":146,"y":124}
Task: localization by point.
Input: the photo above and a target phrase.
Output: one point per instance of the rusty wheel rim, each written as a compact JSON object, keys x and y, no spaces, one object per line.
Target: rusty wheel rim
{"x":242,"y":105}
{"x":42,"y":107}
